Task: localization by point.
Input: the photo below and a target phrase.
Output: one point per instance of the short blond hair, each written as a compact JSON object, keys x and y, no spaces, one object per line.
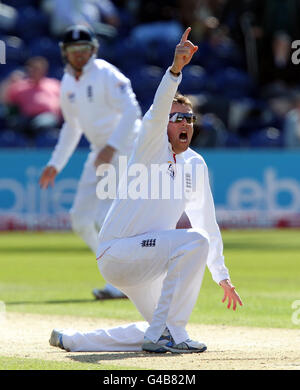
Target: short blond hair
{"x":181,"y":99}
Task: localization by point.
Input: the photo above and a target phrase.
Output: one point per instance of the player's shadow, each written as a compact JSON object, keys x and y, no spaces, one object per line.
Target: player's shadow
{"x":43,"y":249}
{"x":260,"y":246}
{"x":54,"y":302}
{"x":97,"y":358}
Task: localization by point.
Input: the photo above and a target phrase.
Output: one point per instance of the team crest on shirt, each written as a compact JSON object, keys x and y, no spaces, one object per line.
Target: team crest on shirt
{"x":148,"y":243}
{"x":171,"y":169}
{"x":71,"y":97}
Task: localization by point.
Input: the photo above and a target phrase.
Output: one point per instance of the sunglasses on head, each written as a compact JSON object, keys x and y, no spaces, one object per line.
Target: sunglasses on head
{"x":179,"y":116}
{"x":74,"y":48}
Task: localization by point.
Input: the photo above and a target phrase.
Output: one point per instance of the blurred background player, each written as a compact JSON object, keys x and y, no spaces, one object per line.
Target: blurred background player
{"x":96,"y":100}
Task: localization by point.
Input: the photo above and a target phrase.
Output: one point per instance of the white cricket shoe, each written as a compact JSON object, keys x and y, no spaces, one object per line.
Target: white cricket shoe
{"x":187,"y":346}
{"x":102,"y":294}
{"x":158,"y":347}
{"x":56,"y":339}
{"x":166,"y":343}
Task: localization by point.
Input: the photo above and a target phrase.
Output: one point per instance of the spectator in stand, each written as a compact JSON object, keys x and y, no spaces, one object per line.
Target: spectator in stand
{"x":275,"y":26}
{"x":14,"y":76}
{"x":275,"y":15}
{"x":276,"y":66}
{"x":34,"y":100}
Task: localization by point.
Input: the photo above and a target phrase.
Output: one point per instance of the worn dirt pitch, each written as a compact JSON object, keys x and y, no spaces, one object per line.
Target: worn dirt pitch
{"x":229,"y":348}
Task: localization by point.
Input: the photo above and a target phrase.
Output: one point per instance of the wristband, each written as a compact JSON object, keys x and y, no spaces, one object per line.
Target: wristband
{"x":175,"y":74}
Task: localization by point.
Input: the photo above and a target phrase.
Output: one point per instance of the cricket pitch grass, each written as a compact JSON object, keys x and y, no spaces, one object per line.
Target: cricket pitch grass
{"x":47,"y":279}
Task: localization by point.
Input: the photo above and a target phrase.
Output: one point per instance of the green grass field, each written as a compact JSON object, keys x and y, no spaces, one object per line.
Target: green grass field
{"x":54,"y":273}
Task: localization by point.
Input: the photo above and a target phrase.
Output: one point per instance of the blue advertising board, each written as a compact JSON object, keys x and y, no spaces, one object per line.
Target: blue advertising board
{"x":22,"y":203}
{"x":258,"y":187}
{"x":250,"y":188}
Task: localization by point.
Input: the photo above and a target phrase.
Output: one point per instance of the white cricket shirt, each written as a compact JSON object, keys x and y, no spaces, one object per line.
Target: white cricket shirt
{"x":131,"y":217}
{"x":101,"y":105}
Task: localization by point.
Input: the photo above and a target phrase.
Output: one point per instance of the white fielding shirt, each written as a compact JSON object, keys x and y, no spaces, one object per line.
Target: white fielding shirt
{"x":130,"y":217}
{"x":101,"y":105}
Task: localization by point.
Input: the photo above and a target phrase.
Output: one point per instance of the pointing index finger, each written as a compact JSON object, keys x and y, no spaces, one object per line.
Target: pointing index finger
{"x":185,"y":35}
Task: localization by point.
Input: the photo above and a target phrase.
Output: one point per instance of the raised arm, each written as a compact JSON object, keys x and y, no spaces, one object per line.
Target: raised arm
{"x":155,"y":121}
{"x":163,"y":98}
{"x":183,"y":53}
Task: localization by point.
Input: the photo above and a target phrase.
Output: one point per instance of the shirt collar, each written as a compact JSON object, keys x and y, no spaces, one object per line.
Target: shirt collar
{"x":179,"y":157}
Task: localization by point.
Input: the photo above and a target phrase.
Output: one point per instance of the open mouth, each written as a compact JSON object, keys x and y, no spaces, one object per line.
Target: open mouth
{"x":183,"y":137}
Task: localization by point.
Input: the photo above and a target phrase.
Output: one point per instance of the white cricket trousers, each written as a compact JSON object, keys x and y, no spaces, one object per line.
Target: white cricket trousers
{"x":161,"y":272}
